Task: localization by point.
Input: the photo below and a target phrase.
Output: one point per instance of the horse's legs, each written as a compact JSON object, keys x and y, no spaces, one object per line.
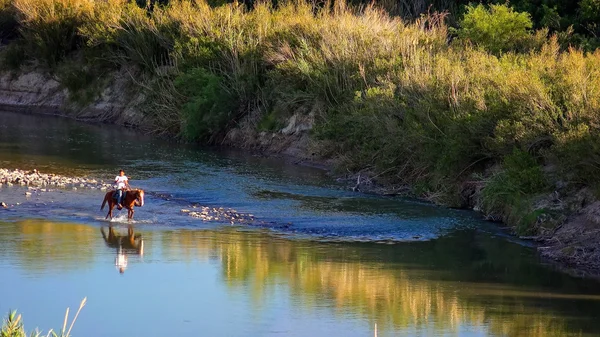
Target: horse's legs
{"x":110,"y":208}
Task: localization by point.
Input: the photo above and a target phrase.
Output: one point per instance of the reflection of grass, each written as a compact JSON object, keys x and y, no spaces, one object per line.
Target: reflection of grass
{"x":44,"y":244}
{"x":358,"y":279}
{"x":13,"y":325}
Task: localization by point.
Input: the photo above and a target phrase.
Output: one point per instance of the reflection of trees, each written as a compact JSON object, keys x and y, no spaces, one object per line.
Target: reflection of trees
{"x":397,"y":286}
{"x":41,"y":244}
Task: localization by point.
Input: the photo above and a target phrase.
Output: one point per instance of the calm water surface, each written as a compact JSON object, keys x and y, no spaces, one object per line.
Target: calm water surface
{"x":316,"y":260}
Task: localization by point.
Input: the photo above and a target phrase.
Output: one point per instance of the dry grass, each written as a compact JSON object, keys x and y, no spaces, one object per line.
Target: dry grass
{"x":13,"y":325}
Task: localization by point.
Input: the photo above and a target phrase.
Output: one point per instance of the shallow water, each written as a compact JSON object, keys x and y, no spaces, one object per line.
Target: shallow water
{"x":313,"y":260}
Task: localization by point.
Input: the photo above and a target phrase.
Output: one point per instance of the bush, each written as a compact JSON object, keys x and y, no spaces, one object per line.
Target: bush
{"x":508,"y":193}
{"x":497,"y":29}
{"x":577,"y":151}
{"x":8,"y":21}
{"x":14,"y":56}
{"x":50,"y":27}
{"x":209,"y":106}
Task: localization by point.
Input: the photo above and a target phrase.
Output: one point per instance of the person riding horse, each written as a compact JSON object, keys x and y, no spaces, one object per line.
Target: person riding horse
{"x":122,"y":183}
{"x":123,"y":197}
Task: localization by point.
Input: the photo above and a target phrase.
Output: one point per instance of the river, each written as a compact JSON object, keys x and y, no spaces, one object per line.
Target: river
{"x":303,"y":256}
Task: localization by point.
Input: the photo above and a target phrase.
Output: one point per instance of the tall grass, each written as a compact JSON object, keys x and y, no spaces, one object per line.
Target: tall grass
{"x":13,"y":325}
{"x":388,"y":96}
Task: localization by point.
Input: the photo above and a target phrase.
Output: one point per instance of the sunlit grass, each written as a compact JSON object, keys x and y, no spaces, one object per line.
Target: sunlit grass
{"x":13,"y":325}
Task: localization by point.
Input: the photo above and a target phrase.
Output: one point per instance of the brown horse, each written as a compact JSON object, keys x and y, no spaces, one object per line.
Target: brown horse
{"x":131,"y":198}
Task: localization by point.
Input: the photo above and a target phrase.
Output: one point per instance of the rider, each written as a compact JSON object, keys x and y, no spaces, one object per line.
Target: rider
{"x":122,"y":183}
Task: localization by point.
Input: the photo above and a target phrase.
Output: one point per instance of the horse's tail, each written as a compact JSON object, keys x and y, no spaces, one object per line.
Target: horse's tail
{"x":103,"y":203}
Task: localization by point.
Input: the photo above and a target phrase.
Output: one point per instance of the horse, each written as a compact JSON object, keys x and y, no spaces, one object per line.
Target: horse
{"x":131,"y":198}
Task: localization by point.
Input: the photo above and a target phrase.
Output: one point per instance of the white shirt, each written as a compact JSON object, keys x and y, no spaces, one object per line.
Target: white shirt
{"x":120,"y":181}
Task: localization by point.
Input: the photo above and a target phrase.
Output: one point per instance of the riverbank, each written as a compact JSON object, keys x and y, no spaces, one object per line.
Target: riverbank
{"x":568,"y":238}
{"x":389,"y":106}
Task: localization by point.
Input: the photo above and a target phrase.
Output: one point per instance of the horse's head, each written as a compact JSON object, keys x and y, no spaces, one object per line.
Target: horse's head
{"x":139,"y":198}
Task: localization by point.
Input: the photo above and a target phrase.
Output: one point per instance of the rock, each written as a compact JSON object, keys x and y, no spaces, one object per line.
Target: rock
{"x":34,"y":179}
{"x":291,"y":127}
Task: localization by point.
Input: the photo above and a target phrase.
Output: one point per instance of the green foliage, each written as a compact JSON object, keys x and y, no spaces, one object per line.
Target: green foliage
{"x":209,"y":107}
{"x":269,"y":122}
{"x":509,"y":191}
{"x":498,"y":29}
{"x":578,"y":152}
{"x":49,"y":27}
{"x":8,"y":21}
{"x":83,"y":81}
{"x":13,"y":56}
{"x":590,"y":10}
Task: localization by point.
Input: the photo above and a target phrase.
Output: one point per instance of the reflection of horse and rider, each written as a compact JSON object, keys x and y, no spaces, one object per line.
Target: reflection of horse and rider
{"x":130,"y":244}
{"x":123,"y":196}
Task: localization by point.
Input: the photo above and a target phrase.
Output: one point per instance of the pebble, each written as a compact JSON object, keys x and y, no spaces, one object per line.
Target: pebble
{"x":220,"y":214}
{"x":33,"y":179}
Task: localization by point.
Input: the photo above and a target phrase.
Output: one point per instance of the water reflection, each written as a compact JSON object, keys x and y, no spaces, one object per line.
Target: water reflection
{"x":39,"y":244}
{"x":404,"y":287}
{"x":130,"y":243}
{"x":464,"y":281}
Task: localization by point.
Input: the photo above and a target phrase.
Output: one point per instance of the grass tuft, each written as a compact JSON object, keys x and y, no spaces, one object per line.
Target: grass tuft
{"x":13,"y":325}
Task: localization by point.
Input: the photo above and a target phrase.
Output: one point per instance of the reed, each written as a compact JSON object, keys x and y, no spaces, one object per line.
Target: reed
{"x":13,"y":325}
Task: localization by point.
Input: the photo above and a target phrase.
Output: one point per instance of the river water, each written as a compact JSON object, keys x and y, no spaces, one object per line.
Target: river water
{"x":302,"y":256}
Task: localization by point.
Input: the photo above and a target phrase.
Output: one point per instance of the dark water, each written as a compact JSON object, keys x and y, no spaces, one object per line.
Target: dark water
{"x":316,"y":260}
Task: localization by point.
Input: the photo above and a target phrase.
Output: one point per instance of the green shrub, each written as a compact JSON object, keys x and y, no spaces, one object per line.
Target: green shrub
{"x":498,"y":29}
{"x":509,"y":192}
{"x":83,"y":81}
{"x":8,"y":22}
{"x":49,"y":27}
{"x":14,"y":56}
{"x":577,"y":154}
{"x":590,"y":10}
{"x":209,"y":107}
